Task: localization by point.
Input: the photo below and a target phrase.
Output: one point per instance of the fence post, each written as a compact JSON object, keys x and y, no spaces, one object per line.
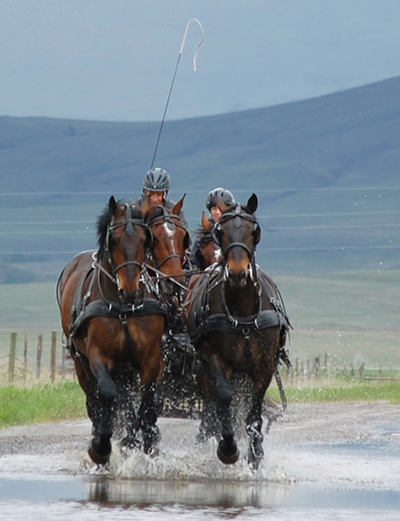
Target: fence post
{"x":25,"y":367}
{"x":39,"y":355}
{"x":317,"y":365}
{"x":53,"y":356}
{"x":11,"y":360}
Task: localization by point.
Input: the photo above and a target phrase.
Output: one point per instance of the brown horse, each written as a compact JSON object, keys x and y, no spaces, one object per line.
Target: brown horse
{"x":209,"y":252}
{"x":170,"y":240}
{"x":114,"y":321}
{"x":237,"y":323}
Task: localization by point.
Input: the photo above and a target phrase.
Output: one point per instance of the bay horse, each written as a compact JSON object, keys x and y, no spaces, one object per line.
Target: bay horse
{"x":165,"y":259}
{"x":114,"y":321}
{"x":209,"y":252}
{"x":238,"y":325}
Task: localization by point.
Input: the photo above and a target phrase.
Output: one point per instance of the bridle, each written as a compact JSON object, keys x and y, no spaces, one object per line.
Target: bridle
{"x":237,"y":216}
{"x":129,"y":222}
{"x":171,"y":221}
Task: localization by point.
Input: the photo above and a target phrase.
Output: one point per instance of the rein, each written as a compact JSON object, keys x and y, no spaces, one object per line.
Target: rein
{"x":160,"y":275}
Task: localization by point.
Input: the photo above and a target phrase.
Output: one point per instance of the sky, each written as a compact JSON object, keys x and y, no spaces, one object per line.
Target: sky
{"x":114,"y":60}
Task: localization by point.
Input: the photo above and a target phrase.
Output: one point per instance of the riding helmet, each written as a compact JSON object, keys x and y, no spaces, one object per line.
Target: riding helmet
{"x":156,"y":180}
{"x":219,"y":193}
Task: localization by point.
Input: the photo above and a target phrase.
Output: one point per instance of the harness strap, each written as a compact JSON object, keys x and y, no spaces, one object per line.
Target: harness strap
{"x":241,"y":326}
{"x":80,"y":299}
{"x":99,"y":308}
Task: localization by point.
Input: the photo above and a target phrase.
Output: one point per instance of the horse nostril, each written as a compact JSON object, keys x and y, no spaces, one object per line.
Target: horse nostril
{"x":238,"y":277}
{"x":122,"y":295}
{"x":128,"y":297}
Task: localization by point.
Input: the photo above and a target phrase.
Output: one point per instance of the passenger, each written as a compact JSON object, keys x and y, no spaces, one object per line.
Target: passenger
{"x":217,"y":194}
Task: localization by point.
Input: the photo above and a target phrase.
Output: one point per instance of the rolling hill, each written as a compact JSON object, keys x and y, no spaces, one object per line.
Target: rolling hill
{"x":325,"y":171}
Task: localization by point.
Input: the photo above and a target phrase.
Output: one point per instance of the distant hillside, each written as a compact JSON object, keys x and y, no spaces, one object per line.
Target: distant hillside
{"x":325,"y":171}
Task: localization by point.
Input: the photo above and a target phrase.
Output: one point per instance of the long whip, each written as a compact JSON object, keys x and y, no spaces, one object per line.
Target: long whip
{"x":174,"y":76}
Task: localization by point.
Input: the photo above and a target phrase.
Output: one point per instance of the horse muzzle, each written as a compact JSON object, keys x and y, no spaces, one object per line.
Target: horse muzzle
{"x":238,"y":278}
{"x":128,"y":297}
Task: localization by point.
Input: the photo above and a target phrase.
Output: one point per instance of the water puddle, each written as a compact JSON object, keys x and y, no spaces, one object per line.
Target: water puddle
{"x":306,"y":474}
{"x":258,"y":495}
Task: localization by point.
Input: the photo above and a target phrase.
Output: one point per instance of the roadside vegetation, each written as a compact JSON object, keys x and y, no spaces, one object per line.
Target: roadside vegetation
{"x":345,"y":389}
{"x":66,"y":401}
{"x":41,"y":404}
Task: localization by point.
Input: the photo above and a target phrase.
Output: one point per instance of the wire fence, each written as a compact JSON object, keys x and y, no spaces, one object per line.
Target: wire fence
{"x":49,"y":362}
{"x":46,"y":362}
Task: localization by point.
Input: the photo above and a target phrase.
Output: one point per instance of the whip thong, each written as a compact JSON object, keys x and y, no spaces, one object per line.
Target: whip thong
{"x":174,"y":76}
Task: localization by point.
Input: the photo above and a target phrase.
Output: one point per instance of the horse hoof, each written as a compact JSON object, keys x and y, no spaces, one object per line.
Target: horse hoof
{"x":226,"y":457}
{"x":98,"y":458}
{"x":100,"y":450}
{"x":154,"y":452}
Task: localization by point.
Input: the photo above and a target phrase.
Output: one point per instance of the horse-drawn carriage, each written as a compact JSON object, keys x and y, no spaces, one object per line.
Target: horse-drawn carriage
{"x":148,"y":336}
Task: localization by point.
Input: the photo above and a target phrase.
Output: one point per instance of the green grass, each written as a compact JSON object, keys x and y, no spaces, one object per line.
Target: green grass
{"x":66,"y":401}
{"x":42,"y":403}
{"x":341,"y":390}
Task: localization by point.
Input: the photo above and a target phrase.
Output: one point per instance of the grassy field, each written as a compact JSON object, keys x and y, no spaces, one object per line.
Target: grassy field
{"x":353,"y":317}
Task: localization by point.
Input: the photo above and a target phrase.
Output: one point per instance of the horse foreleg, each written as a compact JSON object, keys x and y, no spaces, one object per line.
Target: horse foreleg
{"x":227,"y":451}
{"x":147,"y":418}
{"x":106,"y":395}
{"x":209,"y":425}
{"x":126,"y":385}
{"x":254,"y":429}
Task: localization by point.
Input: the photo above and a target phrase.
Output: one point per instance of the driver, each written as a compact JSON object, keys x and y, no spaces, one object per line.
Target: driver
{"x":156,"y":185}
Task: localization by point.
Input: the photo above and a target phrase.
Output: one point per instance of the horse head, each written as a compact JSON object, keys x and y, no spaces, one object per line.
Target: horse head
{"x":237,"y":234}
{"x":170,"y":239}
{"x":209,"y":252}
{"x":123,"y":238}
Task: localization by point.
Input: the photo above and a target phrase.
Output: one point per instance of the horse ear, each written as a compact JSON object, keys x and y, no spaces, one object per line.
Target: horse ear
{"x":221,"y":205}
{"x":252,"y":203}
{"x":112,"y":205}
{"x":205,"y":223}
{"x":176,"y":210}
